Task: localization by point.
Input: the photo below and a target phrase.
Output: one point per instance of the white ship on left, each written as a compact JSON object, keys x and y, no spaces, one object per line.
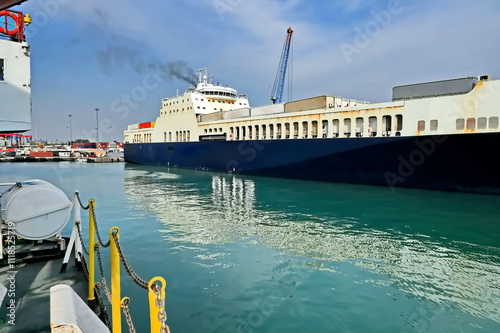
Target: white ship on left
{"x":15,"y":73}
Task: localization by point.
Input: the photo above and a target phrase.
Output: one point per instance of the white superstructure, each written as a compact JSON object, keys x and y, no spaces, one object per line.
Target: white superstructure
{"x":15,"y":85}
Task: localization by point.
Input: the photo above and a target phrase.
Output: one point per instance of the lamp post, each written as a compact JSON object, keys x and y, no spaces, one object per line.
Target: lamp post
{"x":97,"y":128}
{"x":70,"y":132}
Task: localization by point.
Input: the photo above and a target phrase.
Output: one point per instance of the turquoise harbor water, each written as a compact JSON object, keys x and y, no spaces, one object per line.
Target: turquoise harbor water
{"x":249,"y":254}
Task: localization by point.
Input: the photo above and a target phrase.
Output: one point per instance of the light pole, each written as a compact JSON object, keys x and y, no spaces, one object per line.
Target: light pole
{"x":97,"y":128}
{"x":70,"y":133}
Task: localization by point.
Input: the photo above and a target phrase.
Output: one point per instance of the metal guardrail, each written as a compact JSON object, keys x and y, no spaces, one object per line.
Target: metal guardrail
{"x":155,"y":286}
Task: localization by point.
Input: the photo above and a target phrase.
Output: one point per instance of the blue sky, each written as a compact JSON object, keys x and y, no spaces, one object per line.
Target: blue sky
{"x":94,"y":54}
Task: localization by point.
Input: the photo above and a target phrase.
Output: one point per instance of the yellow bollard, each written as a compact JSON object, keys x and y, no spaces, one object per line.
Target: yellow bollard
{"x":116,"y":319}
{"x":91,"y":249}
{"x":156,"y":309}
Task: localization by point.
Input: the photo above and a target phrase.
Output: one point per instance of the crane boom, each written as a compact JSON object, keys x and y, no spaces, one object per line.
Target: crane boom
{"x":279,"y":81}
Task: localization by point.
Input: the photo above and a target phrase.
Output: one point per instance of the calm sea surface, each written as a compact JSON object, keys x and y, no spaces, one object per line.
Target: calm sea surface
{"x":250,"y":254}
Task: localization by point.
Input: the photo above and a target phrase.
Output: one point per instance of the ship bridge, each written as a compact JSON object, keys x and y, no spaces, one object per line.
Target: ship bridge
{"x":207,"y":87}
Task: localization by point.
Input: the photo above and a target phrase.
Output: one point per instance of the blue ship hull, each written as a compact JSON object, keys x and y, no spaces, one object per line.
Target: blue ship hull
{"x":459,"y":162}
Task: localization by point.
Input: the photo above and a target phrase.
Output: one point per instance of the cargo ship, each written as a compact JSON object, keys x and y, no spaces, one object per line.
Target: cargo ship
{"x":437,"y":135}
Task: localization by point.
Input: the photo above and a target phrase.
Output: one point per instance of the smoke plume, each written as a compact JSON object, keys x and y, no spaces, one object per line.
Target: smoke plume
{"x":114,"y":58}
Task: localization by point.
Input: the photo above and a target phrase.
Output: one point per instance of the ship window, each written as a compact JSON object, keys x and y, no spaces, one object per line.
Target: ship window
{"x":203,"y":108}
{"x":237,"y":133}
{"x":421,"y":125}
{"x":278,"y":131}
{"x":271,"y":131}
{"x":481,"y":123}
{"x":493,"y":122}
{"x":335,"y":128}
{"x":460,"y":124}
{"x":386,"y":125}
{"x":314,"y":129}
{"x":231,"y":131}
{"x":188,"y":136}
{"x":249,"y":132}
{"x":220,"y":129}
{"x":263,"y":132}
{"x":210,"y":130}
{"x":359,"y":127}
{"x":305,"y":129}
{"x":347,"y":127}
{"x":399,"y":122}
{"x":256,"y":132}
{"x":324,"y":126}
{"x":287,"y":131}
{"x":434,"y":125}
{"x":243,"y":132}
{"x":165,"y":136}
{"x":372,"y":126}
{"x":1,"y":70}
{"x":471,"y":123}
{"x":170,"y":136}
{"x":206,"y":130}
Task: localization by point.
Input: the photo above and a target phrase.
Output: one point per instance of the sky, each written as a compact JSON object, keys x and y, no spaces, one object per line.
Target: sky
{"x":123,"y":58}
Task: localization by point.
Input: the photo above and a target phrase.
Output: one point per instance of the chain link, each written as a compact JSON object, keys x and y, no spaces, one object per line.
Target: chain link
{"x":103,"y":307}
{"x":80,"y":201}
{"x":128,"y":317}
{"x":91,"y":204}
{"x":84,"y":265}
{"x":103,"y":278}
{"x":160,"y":304}
{"x":81,"y":237}
{"x":140,"y":282}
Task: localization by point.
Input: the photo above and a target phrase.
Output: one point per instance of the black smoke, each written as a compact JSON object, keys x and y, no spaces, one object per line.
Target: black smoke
{"x":113,"y":59}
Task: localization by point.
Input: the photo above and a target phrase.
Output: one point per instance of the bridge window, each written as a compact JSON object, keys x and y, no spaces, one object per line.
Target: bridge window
{"x":460,"y":125}
{"x":493,"y":122}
